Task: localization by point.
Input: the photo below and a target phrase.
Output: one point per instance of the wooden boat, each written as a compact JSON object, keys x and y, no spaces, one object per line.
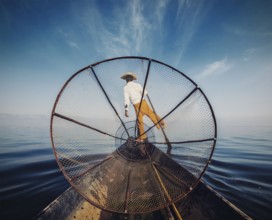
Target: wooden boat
{"x":137,"y":180}
{"x":202,"y":203}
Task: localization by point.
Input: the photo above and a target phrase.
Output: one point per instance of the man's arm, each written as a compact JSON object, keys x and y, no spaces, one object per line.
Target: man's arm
{"x":126,"y":97}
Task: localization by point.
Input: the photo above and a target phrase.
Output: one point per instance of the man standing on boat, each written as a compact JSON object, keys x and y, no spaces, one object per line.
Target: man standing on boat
{"x":133,"y":93}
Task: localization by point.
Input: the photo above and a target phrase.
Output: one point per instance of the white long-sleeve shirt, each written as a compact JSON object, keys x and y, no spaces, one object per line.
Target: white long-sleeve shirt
{"x":133,"y":92}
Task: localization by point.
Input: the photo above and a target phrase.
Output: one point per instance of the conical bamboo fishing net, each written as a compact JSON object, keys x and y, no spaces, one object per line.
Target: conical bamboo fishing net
{"x":95,"y":147}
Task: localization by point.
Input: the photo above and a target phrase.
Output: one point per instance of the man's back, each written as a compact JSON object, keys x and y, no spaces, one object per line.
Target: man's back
{"x":133,"y":92}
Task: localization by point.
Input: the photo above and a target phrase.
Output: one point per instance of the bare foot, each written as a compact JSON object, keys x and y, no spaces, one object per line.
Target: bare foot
{"x":162,"y":123}
{"x":138,"y":140}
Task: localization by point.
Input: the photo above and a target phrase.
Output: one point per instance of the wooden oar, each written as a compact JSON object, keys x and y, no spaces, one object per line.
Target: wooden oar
{"x":169,"y":146}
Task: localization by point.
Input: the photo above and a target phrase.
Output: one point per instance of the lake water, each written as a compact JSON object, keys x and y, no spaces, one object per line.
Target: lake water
{"x":241,"y":169}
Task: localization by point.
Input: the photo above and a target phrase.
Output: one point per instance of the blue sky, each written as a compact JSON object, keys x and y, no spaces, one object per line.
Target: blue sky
{"x":224,"y":46}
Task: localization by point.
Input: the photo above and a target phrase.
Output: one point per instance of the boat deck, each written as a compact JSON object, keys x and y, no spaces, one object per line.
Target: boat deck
{"x":202,"y":203}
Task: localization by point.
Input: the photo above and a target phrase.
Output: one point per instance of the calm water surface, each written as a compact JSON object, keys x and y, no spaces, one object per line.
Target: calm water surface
{"x":30,"y":178}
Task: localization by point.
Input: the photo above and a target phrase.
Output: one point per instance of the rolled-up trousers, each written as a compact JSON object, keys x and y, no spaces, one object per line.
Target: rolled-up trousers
{"x":145,"y":110}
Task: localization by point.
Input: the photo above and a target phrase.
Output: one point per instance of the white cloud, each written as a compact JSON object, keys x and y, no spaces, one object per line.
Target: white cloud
{"x":125,"y":34}
{"x":190,"y":15}
{"x":67,"y":38}
{"x":215,"y":68}
{"x":72,"y":44}
{"x":132,"y":30}
{"x":255,"y":53}
{"x":250,"y":50}
{"x":160,"y":9}
{"x":139,"y":24}
{"x":246,"y":32}
{"x":248,"y":53}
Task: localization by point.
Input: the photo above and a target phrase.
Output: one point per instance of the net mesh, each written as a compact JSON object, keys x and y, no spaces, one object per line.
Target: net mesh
{"x":94,"y":143}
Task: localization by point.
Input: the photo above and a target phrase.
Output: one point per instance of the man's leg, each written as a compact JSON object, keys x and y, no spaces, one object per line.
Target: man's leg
{"x":140,"y":122}
{"x":141,"y":127}
{"x":153,"y":117}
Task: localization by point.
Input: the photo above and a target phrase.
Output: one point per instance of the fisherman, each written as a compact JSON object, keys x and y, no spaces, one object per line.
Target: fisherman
{"x":133,"y":92}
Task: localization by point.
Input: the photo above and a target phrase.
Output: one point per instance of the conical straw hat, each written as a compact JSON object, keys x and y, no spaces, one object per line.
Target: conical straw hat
{"x":125,"y":75}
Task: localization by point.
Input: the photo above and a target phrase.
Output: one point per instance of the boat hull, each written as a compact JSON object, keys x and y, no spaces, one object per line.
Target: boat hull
{"x":202,"y":203}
